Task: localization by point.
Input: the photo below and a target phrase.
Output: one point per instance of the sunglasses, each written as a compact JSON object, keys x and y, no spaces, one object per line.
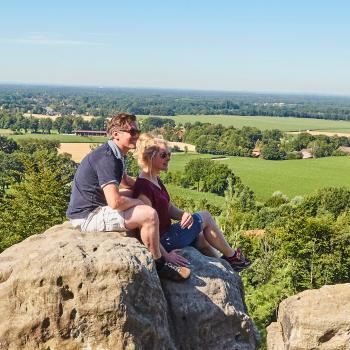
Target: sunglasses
{"x":132,"y":131}
{"x":163,"y":155}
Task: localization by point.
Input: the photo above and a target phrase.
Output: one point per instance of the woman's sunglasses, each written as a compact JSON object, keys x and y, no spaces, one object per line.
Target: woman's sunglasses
{"x":163,"y":155}
{"x":133,"y":132}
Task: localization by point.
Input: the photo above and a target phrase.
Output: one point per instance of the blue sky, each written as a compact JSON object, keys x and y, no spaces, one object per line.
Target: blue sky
{"x":270,"y":45}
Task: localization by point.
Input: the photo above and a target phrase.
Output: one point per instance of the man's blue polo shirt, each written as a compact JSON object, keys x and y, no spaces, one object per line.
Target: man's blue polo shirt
{"x":102,"y":166}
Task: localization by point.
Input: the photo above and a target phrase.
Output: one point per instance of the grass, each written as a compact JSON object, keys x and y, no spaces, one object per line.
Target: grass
{"x":292,"y":177}
{"x":195,"y":195}
{"x":62,"y":138}
{"x":284,"y":124}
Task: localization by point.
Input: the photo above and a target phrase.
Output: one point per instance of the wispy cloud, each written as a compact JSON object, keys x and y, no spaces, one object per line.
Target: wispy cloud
{"x":39,"y":39}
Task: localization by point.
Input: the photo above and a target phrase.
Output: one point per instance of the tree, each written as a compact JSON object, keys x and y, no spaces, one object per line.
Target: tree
{"x":334,"y":200}
{"x":196,"y":170}
{"x":216,"y":179}
{"x":45,"y":124}
{"x":7,"y":145}
{"x":40,"y":200}
{"x":34,"y":125}
{"x":151,"y":123}
{"x":213,"y":176}
{"x":272,"y":151}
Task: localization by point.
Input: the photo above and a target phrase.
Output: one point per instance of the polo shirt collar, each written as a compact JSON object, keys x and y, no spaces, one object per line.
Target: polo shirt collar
{"x":115,"y":149}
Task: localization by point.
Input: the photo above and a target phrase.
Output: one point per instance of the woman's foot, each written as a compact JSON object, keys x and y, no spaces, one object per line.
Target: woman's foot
{"x":237,"y":261}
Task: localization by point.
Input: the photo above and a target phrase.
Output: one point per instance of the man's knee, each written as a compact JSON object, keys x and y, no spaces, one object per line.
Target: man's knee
{"x":149,"y":215}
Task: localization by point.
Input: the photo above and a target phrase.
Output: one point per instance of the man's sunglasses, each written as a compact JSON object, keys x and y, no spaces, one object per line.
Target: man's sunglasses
{"x":132,"y":131}
{"x":163,"y":155}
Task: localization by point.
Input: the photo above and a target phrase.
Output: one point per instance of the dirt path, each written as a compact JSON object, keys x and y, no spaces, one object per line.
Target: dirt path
{"x":327,"y":133}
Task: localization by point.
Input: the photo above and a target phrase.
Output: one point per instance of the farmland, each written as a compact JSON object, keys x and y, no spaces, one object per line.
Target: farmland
{"x":62,"y":138}
{"x":212,"y":198}
{"x":263,"y":123}
{"x":292,"y":177}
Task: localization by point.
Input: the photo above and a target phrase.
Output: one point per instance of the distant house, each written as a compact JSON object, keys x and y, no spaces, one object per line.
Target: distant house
{"x":307,"y":153}
{"x":90,"y":133}
{"x":344,"y":149}
{"x":50,"y":111}
{"x":256,"y":152}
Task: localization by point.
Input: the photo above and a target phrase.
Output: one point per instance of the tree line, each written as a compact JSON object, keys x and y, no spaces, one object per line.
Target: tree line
{"x":63,"y":124}
{"x":108,"y":101}
{"x":269,"y":144}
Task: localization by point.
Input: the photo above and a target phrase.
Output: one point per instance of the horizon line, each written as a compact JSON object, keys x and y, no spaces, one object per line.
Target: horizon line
{"x":264,"y":92}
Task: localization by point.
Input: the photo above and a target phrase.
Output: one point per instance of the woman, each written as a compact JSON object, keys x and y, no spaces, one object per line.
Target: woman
{"x":198,"y":229}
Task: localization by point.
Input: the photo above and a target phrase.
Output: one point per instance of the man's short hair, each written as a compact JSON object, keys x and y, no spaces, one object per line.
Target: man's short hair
{"x":119,"y":121}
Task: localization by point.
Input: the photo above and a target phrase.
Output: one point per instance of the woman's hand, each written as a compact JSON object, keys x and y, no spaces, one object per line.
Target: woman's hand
{"x":175,"y":258}
{"x":186,"y":220}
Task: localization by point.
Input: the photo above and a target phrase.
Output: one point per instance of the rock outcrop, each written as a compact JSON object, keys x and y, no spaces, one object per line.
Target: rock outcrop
{"x":313,"y":319}
{"x":69,"y":290}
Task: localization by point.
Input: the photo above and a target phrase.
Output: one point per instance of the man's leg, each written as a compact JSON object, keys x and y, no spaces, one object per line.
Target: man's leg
{"x":145,"y":218}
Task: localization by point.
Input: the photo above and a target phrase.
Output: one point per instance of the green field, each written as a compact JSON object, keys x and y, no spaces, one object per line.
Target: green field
{"x":62,"y":138}
{"x":292,"y":177}
{"x":284,"y":124}
{"x":212,"y":198}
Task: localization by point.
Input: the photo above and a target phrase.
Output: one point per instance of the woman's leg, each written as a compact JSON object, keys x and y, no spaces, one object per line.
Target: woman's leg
{"x":214,"y":235}
{"x":204,"y":247}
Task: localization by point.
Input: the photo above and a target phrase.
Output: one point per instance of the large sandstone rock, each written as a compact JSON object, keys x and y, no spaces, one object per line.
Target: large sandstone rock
{"x":313,"y":319}
{"x":66,"y":290}
{"x":208,"y":311}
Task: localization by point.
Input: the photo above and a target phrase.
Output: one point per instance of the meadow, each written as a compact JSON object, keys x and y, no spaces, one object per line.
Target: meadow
{"x":263,"y":122}
{"x":62,"y":138}
{"x":292,"y":177}
{"x":212,"y":198}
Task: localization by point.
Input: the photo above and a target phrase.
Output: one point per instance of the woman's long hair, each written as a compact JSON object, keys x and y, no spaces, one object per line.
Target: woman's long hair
{"x":147,"y":147}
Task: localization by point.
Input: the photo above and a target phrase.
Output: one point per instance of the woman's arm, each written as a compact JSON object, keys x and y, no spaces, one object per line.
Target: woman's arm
{"x":185,"y":218}
{"x":145,"y":199}
{"x":175,"y":212}
{"x":174,"y":256}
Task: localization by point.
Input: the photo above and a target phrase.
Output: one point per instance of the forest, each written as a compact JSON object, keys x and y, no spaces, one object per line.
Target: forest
{"x":103,"y":102}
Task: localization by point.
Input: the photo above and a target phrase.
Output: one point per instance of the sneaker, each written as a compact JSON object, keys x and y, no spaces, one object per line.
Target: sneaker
{"x":174,"y":272}
{"x":238,"y":261}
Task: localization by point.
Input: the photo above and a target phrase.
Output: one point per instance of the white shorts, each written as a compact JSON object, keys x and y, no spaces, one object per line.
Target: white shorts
{"x":101,"y":219}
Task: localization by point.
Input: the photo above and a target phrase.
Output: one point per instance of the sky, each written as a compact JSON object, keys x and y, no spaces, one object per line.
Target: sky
{"x":246,"y":45}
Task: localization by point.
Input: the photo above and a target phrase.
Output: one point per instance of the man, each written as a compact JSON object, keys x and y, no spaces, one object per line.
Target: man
{"x":99,"y":202}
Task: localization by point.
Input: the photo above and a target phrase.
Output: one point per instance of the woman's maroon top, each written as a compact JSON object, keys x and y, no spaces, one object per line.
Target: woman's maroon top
{"x":159,"y":198}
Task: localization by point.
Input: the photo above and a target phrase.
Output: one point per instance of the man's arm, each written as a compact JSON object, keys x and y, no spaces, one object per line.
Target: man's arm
{"x":116,"y":201}
{"x":127,"y":182}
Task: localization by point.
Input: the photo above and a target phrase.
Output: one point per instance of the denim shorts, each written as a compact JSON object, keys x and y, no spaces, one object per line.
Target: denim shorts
{"x":177,"y":237}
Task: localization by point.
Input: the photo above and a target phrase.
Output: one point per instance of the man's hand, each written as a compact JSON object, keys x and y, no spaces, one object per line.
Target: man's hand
{"x":175,"y":258}
{"x":116,"y":200}
{"x":186,"y":220}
